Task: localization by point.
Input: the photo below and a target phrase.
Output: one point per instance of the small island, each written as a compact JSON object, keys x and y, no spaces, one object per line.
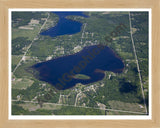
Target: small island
{"x":81,"y":76}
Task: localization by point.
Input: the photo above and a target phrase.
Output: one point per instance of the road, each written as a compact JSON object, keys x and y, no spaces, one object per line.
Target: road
{"x":77,"y":98}
{"x":83,"y":32}
{"x":59,"y":98}
{"x":134,"y":49}
{"x":82,"y":107}
{"x":30,"y":45}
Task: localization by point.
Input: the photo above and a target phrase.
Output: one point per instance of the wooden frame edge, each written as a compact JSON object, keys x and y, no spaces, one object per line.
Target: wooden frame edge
{"x":5,"y":5}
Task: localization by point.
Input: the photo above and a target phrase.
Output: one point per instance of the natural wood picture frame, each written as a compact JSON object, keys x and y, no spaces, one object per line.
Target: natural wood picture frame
{"x":4,"y":57}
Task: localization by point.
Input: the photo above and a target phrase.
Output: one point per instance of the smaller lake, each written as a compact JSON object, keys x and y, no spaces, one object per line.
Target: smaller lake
{"x":91,"y":61}
{"x":64,"y":25}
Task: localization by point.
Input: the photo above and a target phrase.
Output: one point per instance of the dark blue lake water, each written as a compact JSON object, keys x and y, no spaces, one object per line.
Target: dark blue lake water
{"x":91,"y":61}
{"x":64,"y":25}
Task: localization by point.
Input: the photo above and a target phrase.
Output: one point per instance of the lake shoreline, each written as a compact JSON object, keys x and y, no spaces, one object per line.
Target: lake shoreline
{"x":96,"y":75}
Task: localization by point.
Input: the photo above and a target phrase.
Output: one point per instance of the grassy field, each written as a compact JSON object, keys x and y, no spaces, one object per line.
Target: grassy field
{"x":68,"y":110}
{"x":25,"y":33}
{"x":21,"y":83}
{"x":126,"y":106}
{"x":16,"y":59}
{"x":35,"y":106}
{"x":121,"y":113}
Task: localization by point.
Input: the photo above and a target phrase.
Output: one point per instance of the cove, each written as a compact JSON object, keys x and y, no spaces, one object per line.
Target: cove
{"x":91,"y":61}
{"x":64,"y":25}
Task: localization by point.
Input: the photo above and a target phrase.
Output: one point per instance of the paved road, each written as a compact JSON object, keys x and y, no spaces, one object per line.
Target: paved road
{"x":134,"y":49}
{"x":30,"y":45}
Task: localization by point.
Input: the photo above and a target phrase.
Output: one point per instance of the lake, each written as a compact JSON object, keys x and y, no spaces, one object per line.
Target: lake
{"x":91,"y":61}
{"x":64,"y":25}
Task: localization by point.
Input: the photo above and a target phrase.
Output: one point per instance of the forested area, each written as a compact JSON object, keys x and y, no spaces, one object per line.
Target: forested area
{"x":141,"y":39}
{"x":23,"y":18}
{"x":18,"y":44}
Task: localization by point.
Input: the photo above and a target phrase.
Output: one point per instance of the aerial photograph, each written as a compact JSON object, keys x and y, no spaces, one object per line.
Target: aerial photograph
{"x":79,"y":63}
